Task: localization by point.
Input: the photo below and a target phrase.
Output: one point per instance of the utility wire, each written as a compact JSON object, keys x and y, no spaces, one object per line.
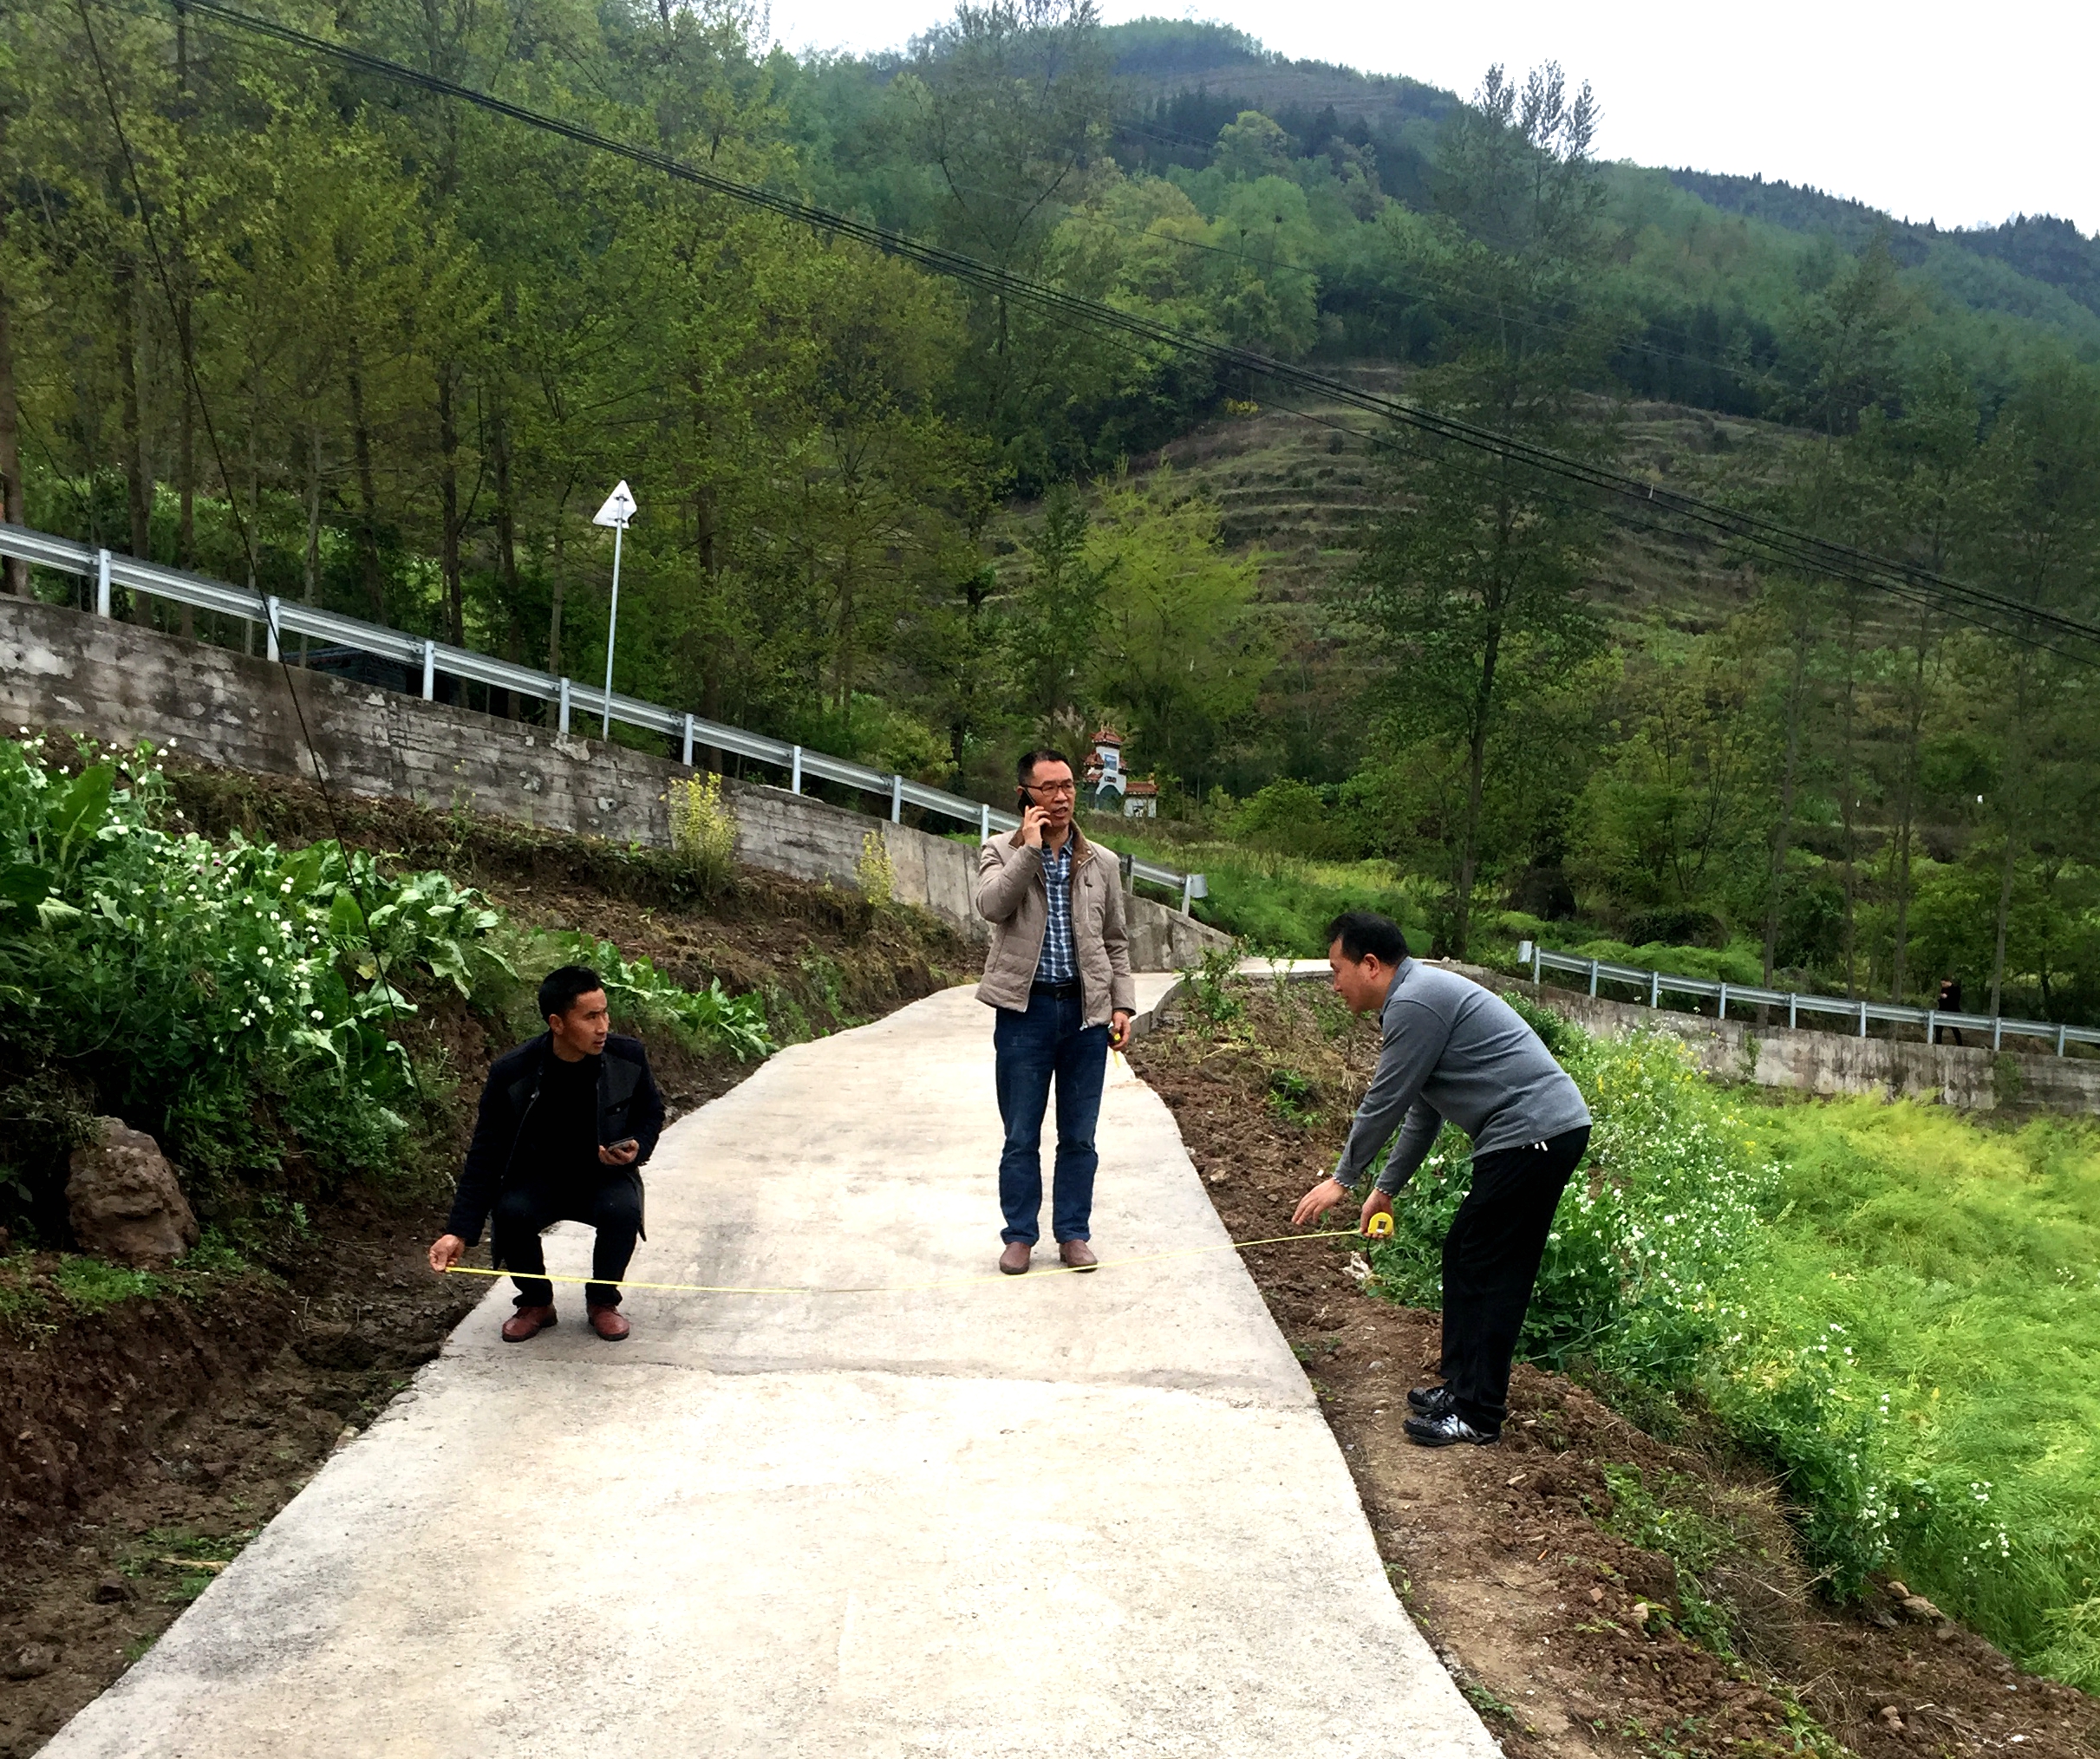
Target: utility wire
{"x":1766,"y":539}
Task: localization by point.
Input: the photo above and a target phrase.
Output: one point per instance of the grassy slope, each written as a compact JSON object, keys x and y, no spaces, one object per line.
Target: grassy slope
{"x":1278,"y":904}
{"x":1961,"y":1260}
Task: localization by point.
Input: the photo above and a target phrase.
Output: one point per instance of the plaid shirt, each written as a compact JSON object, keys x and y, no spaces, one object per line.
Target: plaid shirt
{"x":1059,"y":961}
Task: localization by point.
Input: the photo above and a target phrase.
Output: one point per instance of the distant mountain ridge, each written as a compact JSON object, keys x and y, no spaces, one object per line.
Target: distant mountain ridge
{"x":1184,"y":80}
{"x":1156,"y":57}
{"x":2039,"y":247}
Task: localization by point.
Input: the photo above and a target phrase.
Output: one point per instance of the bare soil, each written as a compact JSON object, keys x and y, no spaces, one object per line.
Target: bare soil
{"x":145,"y":1444}
{"x":1528,"y":1573}
{"x":142,"y":1444}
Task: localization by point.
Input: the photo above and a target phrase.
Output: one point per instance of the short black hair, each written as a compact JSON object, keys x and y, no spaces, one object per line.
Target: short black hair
{"x":559,"y":988}
{"x":1041,"y":754}
{"x":1365,"y":933}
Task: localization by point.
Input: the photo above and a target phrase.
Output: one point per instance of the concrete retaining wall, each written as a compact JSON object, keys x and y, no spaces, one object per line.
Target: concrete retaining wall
{"x":65,"y":669}
{"x":1811,"y":1061}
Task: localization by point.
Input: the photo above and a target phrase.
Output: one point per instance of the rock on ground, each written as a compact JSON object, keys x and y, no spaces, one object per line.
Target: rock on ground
{"x":124,"y":1201}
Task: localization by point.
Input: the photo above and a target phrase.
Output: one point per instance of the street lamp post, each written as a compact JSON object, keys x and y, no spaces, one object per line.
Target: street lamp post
{"x":619,"y":508}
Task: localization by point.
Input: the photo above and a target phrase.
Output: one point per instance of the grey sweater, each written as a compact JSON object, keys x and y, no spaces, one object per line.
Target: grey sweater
{"x":1454,"y":1050}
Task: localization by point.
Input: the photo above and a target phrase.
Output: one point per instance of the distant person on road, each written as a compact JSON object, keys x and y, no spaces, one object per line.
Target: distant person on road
{"x":1058,"y":971}
{"x":1950,"y":1002}
{"x":567,"y":1122}
{"x":1453,"y":1049}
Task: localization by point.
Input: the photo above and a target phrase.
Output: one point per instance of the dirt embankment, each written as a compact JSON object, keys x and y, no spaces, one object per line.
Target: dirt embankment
{"x":1595,"y":1590}
{"x":144,"y":1441}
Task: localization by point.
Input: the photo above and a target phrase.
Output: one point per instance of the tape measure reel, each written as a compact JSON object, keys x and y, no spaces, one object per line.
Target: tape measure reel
{"x":1379,"y":1227}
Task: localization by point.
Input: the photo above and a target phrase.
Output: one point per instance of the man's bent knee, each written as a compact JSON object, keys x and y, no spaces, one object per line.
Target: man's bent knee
{"x":618,"y":1213}
{"x":515,"y":1210}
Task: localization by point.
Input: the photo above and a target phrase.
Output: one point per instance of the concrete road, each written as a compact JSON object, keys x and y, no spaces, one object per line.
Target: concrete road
{"x":1047,"y":1514}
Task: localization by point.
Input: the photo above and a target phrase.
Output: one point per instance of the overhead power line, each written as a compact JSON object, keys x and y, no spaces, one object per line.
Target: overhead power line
{"x":1764,"y":538}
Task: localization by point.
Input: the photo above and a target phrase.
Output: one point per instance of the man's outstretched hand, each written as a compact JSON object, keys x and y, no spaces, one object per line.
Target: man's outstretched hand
{"x":446,"y":1250}
{"x":1315,"y":1203}
{"x":1327,"y":1194}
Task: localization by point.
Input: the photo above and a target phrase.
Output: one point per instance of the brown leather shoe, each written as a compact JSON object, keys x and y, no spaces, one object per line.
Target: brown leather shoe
{"x":1015,"y":1260}
{"x":1078,"y":1254}
{"x":610,"y":1323}
{"x":527,"y":1322}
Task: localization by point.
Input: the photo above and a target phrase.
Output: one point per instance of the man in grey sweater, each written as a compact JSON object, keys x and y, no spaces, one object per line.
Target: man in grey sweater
{"x":1454,"y":1051}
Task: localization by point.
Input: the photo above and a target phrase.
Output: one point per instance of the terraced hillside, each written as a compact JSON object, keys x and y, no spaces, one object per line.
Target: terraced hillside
{"x":1297,"y":485}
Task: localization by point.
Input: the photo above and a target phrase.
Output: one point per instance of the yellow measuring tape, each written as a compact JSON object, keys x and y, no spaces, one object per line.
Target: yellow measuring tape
{"x":898,"y":1288}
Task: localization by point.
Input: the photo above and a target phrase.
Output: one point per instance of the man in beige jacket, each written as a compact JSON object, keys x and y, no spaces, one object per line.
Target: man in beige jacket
{"x":1058,"y":971}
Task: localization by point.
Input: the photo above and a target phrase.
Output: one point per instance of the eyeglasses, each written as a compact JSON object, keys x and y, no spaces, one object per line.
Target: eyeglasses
{"x":1065,"y":787}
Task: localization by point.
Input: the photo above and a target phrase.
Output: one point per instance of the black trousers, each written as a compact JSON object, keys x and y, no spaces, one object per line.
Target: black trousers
{"x":1490,"y":1261}
{"x":613,"y":1205}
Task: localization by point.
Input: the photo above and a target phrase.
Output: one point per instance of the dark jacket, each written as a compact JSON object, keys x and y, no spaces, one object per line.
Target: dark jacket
{"x":628,"y":1104}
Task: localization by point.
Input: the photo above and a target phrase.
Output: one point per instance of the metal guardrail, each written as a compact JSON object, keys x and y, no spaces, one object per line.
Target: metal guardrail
{"x":1661,"y":983}
{"x":280,"y":617}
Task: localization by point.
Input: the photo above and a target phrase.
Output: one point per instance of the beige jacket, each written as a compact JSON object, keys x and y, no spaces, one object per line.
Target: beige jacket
{"x":1010,"y":896}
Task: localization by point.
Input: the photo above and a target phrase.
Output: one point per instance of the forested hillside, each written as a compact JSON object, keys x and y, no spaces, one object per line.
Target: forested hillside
{"x":357,"y":343}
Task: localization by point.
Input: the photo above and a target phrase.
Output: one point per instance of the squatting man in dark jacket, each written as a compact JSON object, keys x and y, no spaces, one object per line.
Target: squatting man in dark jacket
{"x":567,"y":1121}
{"x":1454,"y":1051}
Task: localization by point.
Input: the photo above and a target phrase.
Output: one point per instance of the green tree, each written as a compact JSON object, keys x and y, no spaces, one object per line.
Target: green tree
{"x":2038,"y":701}
{"x":1008,"y":105}
{"x":1924,"y":493}
{"x":1840,"y":351}
{"x":1182,"y":652}
{"x":1054,"y":622}
{"x":1252,"y":147}
{"x":1473,"y":582}
{"x":1666,"y":820}
{"x":1263,"y":291}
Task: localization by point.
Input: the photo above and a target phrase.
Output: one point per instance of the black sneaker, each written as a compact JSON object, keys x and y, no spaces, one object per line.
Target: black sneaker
{"x":1445,"y":1428}
{"x":1429,"y":1400}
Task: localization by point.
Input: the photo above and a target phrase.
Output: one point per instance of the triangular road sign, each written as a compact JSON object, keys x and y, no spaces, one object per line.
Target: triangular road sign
{"x":619,"y":507}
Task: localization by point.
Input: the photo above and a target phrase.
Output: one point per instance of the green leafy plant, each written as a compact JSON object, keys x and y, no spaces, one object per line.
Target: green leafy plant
{"x":873,"y":870}
{"x":1650,"y":1518}
{"x":1292,"y":1097}
{"x":710,"y":1017}
{"x":1216,"y":988}
{"x":703,"y":831}
{"x":198,"y":977}
{"x":90,"y":1285}
{"x":236,"y":998}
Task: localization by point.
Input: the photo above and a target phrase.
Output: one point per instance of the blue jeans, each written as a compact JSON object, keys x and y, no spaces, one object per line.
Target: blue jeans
{"x":1051,"y":1039}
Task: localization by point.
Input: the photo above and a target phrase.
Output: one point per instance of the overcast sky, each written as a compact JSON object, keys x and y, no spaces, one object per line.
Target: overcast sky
{"x":1963,"y":114}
